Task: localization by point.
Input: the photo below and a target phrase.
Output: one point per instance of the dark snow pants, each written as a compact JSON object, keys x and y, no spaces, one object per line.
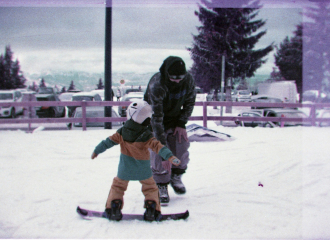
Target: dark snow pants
{"x":180,"y":150}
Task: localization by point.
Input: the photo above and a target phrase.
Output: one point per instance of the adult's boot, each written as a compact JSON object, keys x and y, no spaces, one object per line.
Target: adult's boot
{"x":176,"y":183}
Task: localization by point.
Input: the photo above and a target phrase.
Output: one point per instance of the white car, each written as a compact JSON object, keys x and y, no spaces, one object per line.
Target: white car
{"x":99,"y":92}
{"x":129,"y":97}
{"x":9,"y":96}
{"x":252,"y":123}
{"x":241,"y":95}
{"x":66,"y":96}
{"x":323,"y":113}
{"x":93,"y":112}
{"x":83,"y":96}
{"x":286,"y":113}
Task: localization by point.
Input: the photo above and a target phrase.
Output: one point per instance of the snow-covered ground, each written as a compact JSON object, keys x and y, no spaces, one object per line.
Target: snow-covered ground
{"x":267,"y":183}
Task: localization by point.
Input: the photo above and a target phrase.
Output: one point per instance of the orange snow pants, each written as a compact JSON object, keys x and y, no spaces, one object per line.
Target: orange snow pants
{"x":119,"y":186}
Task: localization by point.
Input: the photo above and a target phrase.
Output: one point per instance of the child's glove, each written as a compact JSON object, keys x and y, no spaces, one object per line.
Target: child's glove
{"x":94,"y":155}
{"x":174,"y":160}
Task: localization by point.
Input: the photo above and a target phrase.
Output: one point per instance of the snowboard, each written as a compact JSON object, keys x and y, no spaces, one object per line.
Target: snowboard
{"x":89,"y":214}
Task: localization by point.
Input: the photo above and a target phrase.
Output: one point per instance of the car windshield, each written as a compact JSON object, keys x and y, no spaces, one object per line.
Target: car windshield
{"x":42,"y":99}
{"x":45,"y":90}
{"x":82,"y":98}
{"x":132,"y":90}
{"x":6,"y":96}
{"x":244,"y":92}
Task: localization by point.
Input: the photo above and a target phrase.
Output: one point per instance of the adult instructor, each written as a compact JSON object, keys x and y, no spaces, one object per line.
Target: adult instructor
{"x":171,"y":93}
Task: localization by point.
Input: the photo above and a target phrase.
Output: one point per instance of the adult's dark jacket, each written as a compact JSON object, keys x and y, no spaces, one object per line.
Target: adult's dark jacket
{"x":172,"y":103}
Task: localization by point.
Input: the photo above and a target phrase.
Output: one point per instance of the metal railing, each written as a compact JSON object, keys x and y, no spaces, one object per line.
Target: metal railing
{"x":312,"y":119}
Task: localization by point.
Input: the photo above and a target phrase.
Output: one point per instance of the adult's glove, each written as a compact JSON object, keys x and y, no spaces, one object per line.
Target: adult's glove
{"x":181,"y":133}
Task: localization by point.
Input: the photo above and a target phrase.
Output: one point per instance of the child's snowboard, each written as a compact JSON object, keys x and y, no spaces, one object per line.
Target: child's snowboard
{"x":88,"y":214}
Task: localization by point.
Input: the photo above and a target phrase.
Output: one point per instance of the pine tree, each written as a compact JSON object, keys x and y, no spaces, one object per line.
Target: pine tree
{"x":275,"y":75}
{"x":42,"y":83}
{"x":229,"y":32}
{"x":2,"y":73}
{"x":316,"y":57}
{"x":11,"y":76}
{"x":33,"y":87}
{"x":288,"y":58}
{"x":100,"y":84}
{"x":72,"y":86}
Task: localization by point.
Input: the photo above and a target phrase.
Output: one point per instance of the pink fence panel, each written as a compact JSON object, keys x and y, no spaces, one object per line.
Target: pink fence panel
{"x":84,"y":120}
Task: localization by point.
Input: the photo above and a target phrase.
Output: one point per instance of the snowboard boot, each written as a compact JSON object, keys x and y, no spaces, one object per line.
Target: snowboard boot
{"x":163,"y":192}
{"x":177,"y":184}
{"x":114,"y":213}
{"x":151,"y":214}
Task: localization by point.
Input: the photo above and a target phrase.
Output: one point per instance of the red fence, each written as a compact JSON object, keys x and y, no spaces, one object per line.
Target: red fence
{"x":84,"y":120}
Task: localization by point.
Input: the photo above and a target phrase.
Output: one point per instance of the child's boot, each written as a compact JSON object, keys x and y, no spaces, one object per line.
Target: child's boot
{"x":114,"y":213}
{"x":151,"y":214}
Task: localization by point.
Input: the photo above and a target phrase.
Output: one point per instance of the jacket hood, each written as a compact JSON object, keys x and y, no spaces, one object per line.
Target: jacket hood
{"x":134,"y":132}
{"x":167,"y":63}
{"x":164,"y":69}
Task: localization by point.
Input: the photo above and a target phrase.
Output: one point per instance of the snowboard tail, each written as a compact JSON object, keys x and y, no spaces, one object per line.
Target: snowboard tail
{"x":89,"y":214}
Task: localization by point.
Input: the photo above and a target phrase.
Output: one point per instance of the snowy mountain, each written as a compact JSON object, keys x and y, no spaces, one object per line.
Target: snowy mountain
{"x":86,"y":81}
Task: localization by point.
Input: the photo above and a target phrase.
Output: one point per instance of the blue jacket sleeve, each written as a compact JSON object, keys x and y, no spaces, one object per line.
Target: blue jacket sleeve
{"x":165,"y":153}
{"x":104,"y":145}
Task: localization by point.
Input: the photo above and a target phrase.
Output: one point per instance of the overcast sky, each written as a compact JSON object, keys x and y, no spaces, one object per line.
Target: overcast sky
{"x":69,"y":35}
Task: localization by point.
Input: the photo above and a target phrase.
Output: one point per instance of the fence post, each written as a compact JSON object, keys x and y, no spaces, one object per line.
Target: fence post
{"x":83,"y":110}
{"x":313,"y":115}
{"x":205,"y":114}
{"x":282,"y":122}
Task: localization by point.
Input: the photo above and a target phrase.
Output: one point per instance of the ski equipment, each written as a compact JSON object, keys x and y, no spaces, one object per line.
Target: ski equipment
{"x":89,"y":214}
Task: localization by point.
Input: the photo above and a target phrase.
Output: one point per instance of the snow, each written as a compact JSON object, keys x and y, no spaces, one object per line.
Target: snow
{"x":266,"y":183}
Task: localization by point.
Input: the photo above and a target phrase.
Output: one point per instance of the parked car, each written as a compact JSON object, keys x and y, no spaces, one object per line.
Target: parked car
{"x":100,"y":92}
{"x":264,"y":99}
{"x":47,"y":90}
{"x":198,"y":90}
{"x":131,"y":90}
{"x":314,"y":96}
{"x":29,"y":97}
{"x":241,"y":95}
{"x":49,"y":111}
{"x":83,"y":96}
{"x":128,"y":98}
{"x":286,"y":113}
{"x":252,"y":123}
{"x":323,"y":113}
{"x":10,"y":96}
{"x":66,"y":96}
{"x":94,"y":112}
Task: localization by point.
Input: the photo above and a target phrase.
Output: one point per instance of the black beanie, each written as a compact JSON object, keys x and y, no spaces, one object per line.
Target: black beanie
{"x":177,"y":68}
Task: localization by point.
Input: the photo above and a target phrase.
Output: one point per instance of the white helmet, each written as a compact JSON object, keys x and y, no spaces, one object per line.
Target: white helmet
{"x":139,"y":111}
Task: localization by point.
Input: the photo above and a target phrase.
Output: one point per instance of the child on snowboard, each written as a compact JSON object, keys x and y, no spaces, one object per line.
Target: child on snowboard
{"x":135,"y":139}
